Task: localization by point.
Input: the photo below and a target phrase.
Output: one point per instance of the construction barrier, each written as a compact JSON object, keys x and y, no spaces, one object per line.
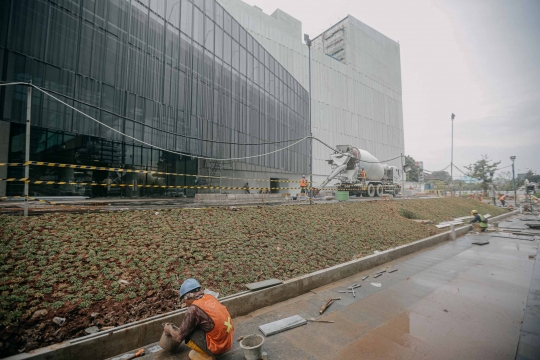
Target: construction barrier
{"x":102,"y":168}
{"x":45,"y":182}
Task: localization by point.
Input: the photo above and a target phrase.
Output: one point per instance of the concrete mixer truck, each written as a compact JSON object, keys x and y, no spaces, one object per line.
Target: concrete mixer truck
{"x":380,"y":178}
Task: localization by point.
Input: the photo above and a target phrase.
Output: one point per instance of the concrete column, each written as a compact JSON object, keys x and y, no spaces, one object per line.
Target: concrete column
{"x":4,"y":151}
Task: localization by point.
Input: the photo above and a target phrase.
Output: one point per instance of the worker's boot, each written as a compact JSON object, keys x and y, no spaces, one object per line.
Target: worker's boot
{"x":194,"y":355}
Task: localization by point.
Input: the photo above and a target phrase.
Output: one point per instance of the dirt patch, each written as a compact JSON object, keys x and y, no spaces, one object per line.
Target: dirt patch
{"x":114,"y":268}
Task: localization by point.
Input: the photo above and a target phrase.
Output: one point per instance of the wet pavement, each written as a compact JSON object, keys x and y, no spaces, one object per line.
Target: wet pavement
{"x":452,"y":301}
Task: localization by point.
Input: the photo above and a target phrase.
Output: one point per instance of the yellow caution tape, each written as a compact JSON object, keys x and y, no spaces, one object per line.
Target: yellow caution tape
{"x":45,"y":182}
{"x":88,"y":167}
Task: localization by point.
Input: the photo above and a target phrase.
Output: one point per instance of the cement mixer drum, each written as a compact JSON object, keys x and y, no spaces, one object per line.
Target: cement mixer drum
{"x":374,"y":169}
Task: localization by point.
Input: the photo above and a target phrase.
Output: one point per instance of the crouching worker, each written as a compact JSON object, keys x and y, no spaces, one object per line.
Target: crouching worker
{"x":479,"y":221}
{"x":207,"y":327}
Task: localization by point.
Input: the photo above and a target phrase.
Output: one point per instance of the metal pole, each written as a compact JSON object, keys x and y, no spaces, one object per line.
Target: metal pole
{"x":452,"y":160}
{"x":403,"y":176}
{"x":311,"y":134}
{"x":27,"y":148}
{"x":514,"y":181}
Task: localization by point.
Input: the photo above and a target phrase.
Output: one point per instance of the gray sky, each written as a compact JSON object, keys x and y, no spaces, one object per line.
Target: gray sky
{"x":479,"y":59}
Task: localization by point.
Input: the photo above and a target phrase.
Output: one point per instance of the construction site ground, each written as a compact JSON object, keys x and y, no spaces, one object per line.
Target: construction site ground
{"x":158,"y":203}
{"x":456,"y":300}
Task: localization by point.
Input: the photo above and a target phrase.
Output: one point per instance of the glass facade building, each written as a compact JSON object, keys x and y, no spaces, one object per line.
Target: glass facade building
{"x":172,"y":73}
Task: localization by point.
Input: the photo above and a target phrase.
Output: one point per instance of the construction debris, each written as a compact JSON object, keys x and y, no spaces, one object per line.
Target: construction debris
{"x":320,"y":321}
{"x":282,"y":325}
{"x":391,"y":271}
{"x":139,"y":353}
{"x":327,"y":303}
{"x":508,"y":236}
{"x":59,"y":320}
{"x":365,"y":277}
{"x":263,"y":284}
{"x":376,"y":276}
{"x":376,"y":284}
{"x":480,"y":242}
{"x":91,"y":330}
{"x":425,"y":222}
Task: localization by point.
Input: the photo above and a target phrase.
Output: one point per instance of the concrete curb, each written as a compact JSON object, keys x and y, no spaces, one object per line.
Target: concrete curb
{"x":132,"y":336}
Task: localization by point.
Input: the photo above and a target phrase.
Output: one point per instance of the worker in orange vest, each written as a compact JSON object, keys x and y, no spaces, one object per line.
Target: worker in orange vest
{"x":207,"y":327}
{"x":363,"y":175}
{"x":503,"y":200}
{"x":303,"y":185}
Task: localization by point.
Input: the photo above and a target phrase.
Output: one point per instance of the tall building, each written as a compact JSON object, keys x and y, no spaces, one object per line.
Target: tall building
{"x":356,"y":81}
{"x":182,"y":75}
{"x":197,"y":77}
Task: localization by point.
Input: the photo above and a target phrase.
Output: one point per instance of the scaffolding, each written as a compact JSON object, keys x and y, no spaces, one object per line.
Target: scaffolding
{"x":215,"y":172}
{"x":332,"y":42}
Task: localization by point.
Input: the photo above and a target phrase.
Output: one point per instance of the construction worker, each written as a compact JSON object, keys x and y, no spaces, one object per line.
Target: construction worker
{"x":363,"y":176}
{"x":479,"y":222}
{"x":502,"y":199}
{"x":303,"y":185}
{"x":207,"y":327}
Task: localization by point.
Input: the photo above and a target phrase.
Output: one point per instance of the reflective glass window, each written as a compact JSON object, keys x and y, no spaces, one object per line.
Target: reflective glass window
{"x":209,"y":35}
{"x":186,"y":17}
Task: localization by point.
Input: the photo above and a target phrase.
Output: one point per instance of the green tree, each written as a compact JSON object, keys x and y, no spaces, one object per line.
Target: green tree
{"x":413,"y":174}
{"x":483,"y":170}
{"x":441,"y":175}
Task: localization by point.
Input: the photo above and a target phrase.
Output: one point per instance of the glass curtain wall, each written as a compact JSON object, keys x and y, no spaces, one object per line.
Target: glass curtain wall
{"x":172,"y":73}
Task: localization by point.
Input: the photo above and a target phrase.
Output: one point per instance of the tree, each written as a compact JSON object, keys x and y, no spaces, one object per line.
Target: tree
{"x":441,"y":175}
{"x":483,"y":170}
{"x":413,"y":174}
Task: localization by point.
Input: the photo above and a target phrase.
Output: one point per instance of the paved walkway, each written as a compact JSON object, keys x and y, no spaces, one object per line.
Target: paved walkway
{"x":452,"y":301}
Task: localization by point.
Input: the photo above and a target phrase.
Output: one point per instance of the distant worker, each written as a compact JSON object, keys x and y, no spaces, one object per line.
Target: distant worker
{"x":363,"y":175}
{"x":471,"y":197}
{"x":502,"y":199}
{"x":479,"y":222}
{"x":303,"y":185}
{"x":207,"y":327}
{"x":246,"y":188}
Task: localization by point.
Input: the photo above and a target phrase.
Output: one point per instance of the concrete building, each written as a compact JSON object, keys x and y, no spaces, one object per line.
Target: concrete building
{"x":198,"y":77}
{"x":356,"y":81}
{"x":179,"y":74}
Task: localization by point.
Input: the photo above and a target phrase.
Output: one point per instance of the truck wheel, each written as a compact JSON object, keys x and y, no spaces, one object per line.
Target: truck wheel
{"x":380,"y":190}
{"x":371,"y":190}
{"x":396,"y":191}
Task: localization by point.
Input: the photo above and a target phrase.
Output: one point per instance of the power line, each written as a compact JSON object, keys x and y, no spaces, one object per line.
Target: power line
{"x":155,"y":128}
{"x":338,"y":151}
{"x":179,"y":153}
{"x":160,"y":148}
{"x":437,"y":170}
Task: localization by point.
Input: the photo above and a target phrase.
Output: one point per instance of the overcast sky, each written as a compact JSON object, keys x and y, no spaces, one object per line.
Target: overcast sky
{"x":479,"y":59}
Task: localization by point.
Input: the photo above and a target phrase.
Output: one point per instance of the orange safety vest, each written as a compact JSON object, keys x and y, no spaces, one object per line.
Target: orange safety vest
{"x":220,"y":339}
{"x":502,"y":198}
{"x":303,"y":182}
{"x":363,"y":174}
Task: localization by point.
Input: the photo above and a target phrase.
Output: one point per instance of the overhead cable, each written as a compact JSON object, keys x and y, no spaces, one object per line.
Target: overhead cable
{"x":338,"y":151}
{"x":156,"y":128}
{"x":163,"y":149}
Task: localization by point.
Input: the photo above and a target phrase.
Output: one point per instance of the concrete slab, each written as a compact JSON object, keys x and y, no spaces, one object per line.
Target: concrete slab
{"x":529,"y":340}
{"x":453,"y":300}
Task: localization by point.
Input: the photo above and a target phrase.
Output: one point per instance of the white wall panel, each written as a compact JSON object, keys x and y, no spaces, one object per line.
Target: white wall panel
{"x":358,"y":102}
